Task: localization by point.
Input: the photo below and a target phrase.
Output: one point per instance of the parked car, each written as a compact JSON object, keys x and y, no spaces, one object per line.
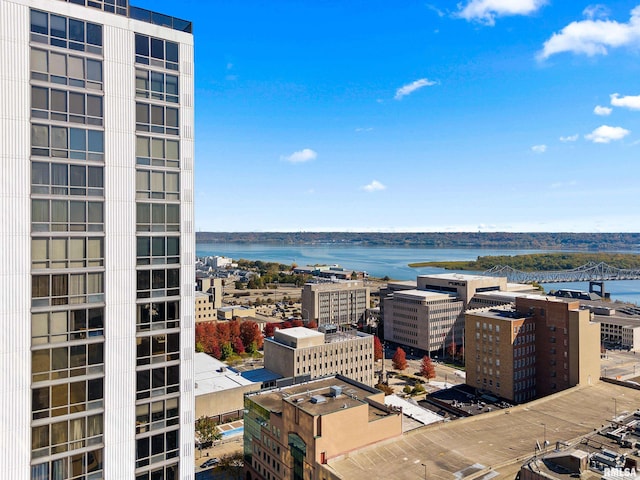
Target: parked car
{"x":210,"y":463}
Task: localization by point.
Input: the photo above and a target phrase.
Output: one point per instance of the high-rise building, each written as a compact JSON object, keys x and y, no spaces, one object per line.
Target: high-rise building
{"x":339,"y":302}
{"x":97,"y":241}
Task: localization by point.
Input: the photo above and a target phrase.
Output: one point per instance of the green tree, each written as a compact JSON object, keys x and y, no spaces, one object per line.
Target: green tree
{"x":227,"y":350}
{"x":207,"y":430}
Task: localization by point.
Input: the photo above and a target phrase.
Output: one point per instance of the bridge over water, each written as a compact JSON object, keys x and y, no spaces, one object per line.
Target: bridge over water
{"x":590,"y":272}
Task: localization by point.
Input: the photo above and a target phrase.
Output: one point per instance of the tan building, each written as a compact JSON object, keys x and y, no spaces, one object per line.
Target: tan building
{"x":219,"y":390}
{"x":541,"y":346}
{"x":229,"y":313}
{"x":290,"y":432}
{"x":431,"y":317}
{"x":212,"y":286}
{"x":300,"y":351}
{"x":204,"y":311}
{"x":338,"y":302}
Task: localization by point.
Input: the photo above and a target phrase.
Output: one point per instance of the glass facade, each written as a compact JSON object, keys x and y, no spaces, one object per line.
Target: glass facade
{"x":67,"y":248}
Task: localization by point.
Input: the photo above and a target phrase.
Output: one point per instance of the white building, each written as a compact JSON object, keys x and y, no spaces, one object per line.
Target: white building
{"x":97,"y":257}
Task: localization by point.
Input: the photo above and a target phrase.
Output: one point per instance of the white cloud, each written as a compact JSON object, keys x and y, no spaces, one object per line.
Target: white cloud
{"x":412,"y":87}
{"x":602,"y":111}
{"x":606,"y":134}
{"x":570,"y":138}
{"x":301,"y":156}
{"x":361,"y":129}
{"x":539,"y":148}
{"x":374,"y":186}
{"x":435,"y":9}
{"x":593,"y":37}
{"x":596,"y":11}
{"x":486,"y":11}
{"x":630,"y":101}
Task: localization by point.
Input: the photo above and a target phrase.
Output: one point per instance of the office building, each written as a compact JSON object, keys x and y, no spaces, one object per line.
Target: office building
{"x":307,"y":353}
{"x":539,"y":346}
{"x":289,"y":433}
{"x":429,"y":318}
{"x":96,"y":119}
{"x":340,"y":302}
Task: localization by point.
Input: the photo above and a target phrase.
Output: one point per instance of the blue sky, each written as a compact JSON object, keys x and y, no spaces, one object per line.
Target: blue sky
{"x":333,"y":115}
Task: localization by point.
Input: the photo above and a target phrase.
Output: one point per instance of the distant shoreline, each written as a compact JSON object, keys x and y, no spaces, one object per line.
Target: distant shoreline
{"x":594,"y":242}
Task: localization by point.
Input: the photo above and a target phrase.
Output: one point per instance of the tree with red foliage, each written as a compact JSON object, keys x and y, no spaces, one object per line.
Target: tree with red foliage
{"x":286,"y":324}
{"x":378,"y":352}
{"x":399,"y":360}
{"x":297,"y":323}
{"x":206,"y":337}
{"x":312,"y":324}
{"x":269,"y":329}
{"x":250,"y":333}
{"x":427,"y":369}
{"x":223,"y":333}
{"x":234,"y":329}
{"x":237,"y":346}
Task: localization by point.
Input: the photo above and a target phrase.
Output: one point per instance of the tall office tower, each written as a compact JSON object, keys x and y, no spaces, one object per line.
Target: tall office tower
{"x":97,"y":242}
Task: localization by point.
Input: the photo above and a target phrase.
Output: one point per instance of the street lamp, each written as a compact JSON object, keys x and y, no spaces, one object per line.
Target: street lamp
{"x":544,"y":444}
{"x":425,"y":470}
{"x":308,"y":316}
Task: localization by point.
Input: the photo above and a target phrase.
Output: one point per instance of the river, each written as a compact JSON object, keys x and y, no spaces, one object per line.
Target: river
{"x":390,"y":261}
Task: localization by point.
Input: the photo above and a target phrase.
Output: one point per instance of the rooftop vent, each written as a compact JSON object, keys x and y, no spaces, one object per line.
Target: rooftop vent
{"x":336,"y":391}
{"x":318,"y":399}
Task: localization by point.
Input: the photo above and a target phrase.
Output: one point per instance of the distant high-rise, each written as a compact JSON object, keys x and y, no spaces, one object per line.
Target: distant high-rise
{"x":97,"y":242}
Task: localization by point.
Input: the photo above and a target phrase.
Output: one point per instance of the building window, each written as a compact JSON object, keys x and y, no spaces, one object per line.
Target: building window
{"x":158,"y":152}
{"x":156,"y":52}
{"x":157,"y":119}
{"x":59,"y":31}
{"x":157,"y":217}
{"x":158,"y":250}
{"x":63,"y":106}
{"x":64,"y":142}
{"x":62,"y":179}
{"x":61,"y":252}
{"x":66,"y":216}
{"x":66,"y":325}
{"x":66,"y":69}
{"x":156,"y":85}
{"x":157,"y":185}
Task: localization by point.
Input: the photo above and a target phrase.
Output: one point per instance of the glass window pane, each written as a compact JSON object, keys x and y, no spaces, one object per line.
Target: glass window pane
{"x":39,"y":173}
{"x":76,"y":67}
{"x":94,"y":34}
{"x":157,"y":182}
{"x":77,"y":212}
{"x":96,"y":141}
{"x":142,"y":180}
{"x":173,"y":246}
{"x":40,"y":98}
{"x":172,"y":182}
{"x":76,"y":103}
{"x":39,"y":249}
{"x":58,"y":323}
{"x":94,"y":248}
{"x":142,"y":147}
{"x":77,"y":176}
{"x":59,"y":211}
{"x":58,"y":249}
{"x":142,"y":79}
{"x":59,"y":174}
{"x":39,"y":211}
{"x":172,"y":85}
{"x":173,"y":213}
{"x":58,"y":100}
{"x":59,"y":137}
{"x":94,"y":70}
{"x":39,"y":60}
{"x":157,"y":82}
{"x":143,"y":247}
{"x":142,"y":45}
{"x":172,"y":117}
{"x":157,"y":148}
{"x":78,"y":139}
{"x":157,"y":246}
{"x":39,"y":135}
{"x":58,"y":26}
{"x":157,"y":213}
{"x":142,"y":113}
{"x":94,"y":106}
{"x":58,"y":64}
{"x":76,"y":30}
{"x":95,"y":175}
{"x":157,"y":48}
{"x":143,"y":213}
{"x":94,"y":283}
{"x":157,"y":115}
{"x":76,"y":248}
{"x":172,"y":51}
{"x":172,"y":150}
{"x":39,"y":22}
{"x":95,"y":212}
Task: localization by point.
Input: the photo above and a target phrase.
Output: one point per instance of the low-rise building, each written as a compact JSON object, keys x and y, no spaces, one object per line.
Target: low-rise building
{"x":204,"y":311}
{"x":229,"y":313}
{"x":219,"y":390}
{"x":290,"y":432}
{"x":300,"y":352}
{"x":540,"y":346}
{"x":340,"y":302}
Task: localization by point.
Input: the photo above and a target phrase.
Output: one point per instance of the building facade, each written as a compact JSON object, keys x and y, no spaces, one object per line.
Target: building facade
{"x":96,"y":118}
{"x":537,"y":347}
{"x":290,"y":432}
{"x":339,"y":302}
{"x":302,"y":352}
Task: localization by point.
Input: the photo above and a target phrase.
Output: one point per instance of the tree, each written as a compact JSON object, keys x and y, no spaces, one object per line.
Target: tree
{"x":378,"y":352}
{"x":226,"y":351}
{"x":297,"y":323}
{"x":238,"y":347}
{"x":451,"y":350}
{"x":399,"y":360}
{"x":207,"y":430}
{"x":312,"y":324}
{"x":250,"y":334}
{"x":385,"y":388}
{"x":269,"y":329}
{"x":427,"y":369}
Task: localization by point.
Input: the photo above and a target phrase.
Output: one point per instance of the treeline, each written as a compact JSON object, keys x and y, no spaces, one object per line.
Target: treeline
{"x":540,"y":261}
{"x":272,"y":272}
{"x":533,"y":240}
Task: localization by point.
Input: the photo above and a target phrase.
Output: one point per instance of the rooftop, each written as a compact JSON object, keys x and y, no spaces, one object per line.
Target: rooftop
{"x":464,"y":277}
{"x":501,"y":438}
{"x":300,"y":332}
{"x":425,"y":294}
{"x":212,"y":375}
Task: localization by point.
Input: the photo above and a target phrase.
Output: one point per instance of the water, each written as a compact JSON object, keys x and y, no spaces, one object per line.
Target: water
{"x":390,"y":261}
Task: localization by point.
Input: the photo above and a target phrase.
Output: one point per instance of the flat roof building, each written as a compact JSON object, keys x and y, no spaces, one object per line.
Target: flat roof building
{"x":301,"y":352}
{"x":340,"y":302}
{"x":290,"y":432}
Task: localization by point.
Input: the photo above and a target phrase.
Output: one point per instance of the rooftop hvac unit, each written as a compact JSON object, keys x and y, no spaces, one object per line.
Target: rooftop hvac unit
{"x":336,"y":391}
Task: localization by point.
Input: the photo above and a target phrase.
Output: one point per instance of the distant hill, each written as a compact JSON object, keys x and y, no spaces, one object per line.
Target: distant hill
{"x":534,"y":241}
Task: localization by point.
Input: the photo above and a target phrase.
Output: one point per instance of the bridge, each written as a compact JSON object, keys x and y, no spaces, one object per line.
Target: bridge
{"x":590,"y":272}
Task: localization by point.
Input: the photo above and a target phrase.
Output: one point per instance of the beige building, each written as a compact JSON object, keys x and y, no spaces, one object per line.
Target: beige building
{"x":204,"y":311}
{"x":339,"y":302}
{"x":431,"y":317}
{"x":219,"y":390}
{"x":212,"y":286}
{"x":300,"y":351}
{"x":290,"y":432}
{"x":540,"y":346}
{"x":229,"y":313}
